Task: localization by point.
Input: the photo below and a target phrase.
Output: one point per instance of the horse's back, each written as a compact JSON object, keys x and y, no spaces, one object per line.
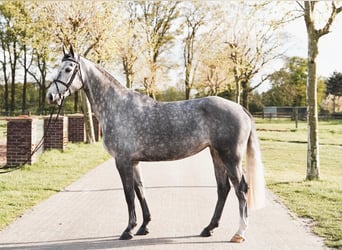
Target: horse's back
{"x":228,"y":122}
{"x":176,"y":130}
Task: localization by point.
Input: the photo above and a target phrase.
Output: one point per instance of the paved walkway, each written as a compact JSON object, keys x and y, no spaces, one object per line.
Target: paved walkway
{"x":91,"y":214}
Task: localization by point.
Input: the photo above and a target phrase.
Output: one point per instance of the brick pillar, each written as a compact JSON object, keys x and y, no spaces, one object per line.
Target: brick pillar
{"x":56,"y":135}
{"x":76,"y":128}
{"x":23,"y":134}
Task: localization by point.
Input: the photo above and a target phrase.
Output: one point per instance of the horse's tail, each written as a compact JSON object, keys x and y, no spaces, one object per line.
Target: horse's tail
{"x":255,"y":171}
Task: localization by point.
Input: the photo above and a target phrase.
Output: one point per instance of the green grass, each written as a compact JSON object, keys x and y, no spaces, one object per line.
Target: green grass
{"x":284,"y":154}
{"x":24,"y":188}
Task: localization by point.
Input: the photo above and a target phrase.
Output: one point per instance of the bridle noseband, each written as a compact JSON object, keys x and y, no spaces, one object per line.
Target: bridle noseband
{"x":77,"y":69}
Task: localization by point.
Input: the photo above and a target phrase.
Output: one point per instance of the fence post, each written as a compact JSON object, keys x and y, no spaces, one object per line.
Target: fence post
{"x":296,"y":116}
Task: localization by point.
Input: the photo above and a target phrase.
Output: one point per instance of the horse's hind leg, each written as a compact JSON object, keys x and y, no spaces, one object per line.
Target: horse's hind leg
{"x":139,"y":190}
{"x":240,"y":185}
{"x":223,"y":188}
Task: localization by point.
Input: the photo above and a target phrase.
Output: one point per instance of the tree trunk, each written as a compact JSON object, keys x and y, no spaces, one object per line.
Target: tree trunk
{"x":76,"y":102}
{"x":4,"y":70}
{"x":245,"y":94}
{"x":43,"y":71}
{"x":237,"y":93}
{"x":129,"y":80}
{"x":187,"y":81}
{"x":237,"y":84}
{"x":12,"y":103}
{"x":152,"y":84}
{"x":13,"y":66}
{"x":23,"y":104}
{"x":313,"y":163}
{"x":128,"y":71}
{"x":6,"y":95}
{"x":88,"y":118}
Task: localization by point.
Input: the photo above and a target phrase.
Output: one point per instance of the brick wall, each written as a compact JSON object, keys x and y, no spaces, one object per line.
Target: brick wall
{"x":76,"y":129}
{"x":56,"y":134}
{"x":24,"y":133}
{"x":22,"y":138}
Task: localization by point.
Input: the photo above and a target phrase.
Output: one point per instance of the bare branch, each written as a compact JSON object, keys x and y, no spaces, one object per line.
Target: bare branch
{"x":263,"y":79}
{"x":300,"y":5}
{"x":326,"y":29}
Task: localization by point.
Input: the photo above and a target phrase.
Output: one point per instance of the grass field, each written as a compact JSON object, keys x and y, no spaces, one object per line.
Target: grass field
{"x":284,"y":154}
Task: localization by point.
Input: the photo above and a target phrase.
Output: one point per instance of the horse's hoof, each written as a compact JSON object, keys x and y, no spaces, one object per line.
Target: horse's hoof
{"x":143,"y":231}
{"x":126,"y":236}
{"x":237,"y":239}
{"x":206,"y":233}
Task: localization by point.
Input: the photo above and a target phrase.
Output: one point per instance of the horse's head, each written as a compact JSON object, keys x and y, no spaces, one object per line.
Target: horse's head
{"x":68,"y":79}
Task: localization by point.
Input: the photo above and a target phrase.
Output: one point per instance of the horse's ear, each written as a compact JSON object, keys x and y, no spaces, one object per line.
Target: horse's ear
{"x":71,"y":51}
{"x":64,"y":51}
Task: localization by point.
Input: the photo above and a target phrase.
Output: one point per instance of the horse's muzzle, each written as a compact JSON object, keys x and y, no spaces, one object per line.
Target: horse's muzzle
{"x":51,"y":98}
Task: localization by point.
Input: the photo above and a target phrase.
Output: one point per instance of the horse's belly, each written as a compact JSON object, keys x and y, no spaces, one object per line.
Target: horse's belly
{"x":170,"y":151}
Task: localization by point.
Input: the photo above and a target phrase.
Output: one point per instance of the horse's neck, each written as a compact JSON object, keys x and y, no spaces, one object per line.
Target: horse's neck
{"x":101,"y":88}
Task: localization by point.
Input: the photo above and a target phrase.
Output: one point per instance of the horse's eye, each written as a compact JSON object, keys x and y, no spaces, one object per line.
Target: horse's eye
{"x":68,"y":70}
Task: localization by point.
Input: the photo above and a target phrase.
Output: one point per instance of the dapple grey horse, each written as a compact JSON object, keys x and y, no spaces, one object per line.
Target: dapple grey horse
{"x":138,"y":128}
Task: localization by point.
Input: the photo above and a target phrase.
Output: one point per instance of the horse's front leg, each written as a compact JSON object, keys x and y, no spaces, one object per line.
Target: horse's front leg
{"x":139,"y":190}
{"x":125,"y":168}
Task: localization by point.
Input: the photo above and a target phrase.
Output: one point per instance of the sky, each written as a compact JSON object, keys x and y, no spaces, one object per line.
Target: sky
{"x":330,"y":46}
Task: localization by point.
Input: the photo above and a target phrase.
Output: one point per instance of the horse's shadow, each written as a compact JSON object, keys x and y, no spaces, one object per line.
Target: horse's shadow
{"x":109,"y":242}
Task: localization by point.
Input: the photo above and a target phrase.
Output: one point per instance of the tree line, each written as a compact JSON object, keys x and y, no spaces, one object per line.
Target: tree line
{"x":150,"y":43}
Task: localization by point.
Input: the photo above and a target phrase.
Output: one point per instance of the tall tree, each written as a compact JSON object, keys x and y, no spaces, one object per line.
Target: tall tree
{"x":158,"y":23}
{"x":88,"y":32}
{"x":195,"y":14}
{"x":25,"y":24}
{"x":43,"y":44}
{"x":213,"y":74}
{"x":127,"y":41}
{"x":253,"y":43}
{"x":4,"y":65}
{"x":10,"y":31}
{"x":201,"y":22}
{"x":21,"y":32}
{"x":314,"y":34}
{"x":288,"y":84}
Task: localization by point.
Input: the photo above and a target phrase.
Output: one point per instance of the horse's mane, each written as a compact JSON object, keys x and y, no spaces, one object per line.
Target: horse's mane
{"x":114,"y":81}
{"x":109,"y":76}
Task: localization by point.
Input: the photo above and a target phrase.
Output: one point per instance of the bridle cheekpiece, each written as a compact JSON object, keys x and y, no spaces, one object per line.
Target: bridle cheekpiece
{"x":77,"y":69}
